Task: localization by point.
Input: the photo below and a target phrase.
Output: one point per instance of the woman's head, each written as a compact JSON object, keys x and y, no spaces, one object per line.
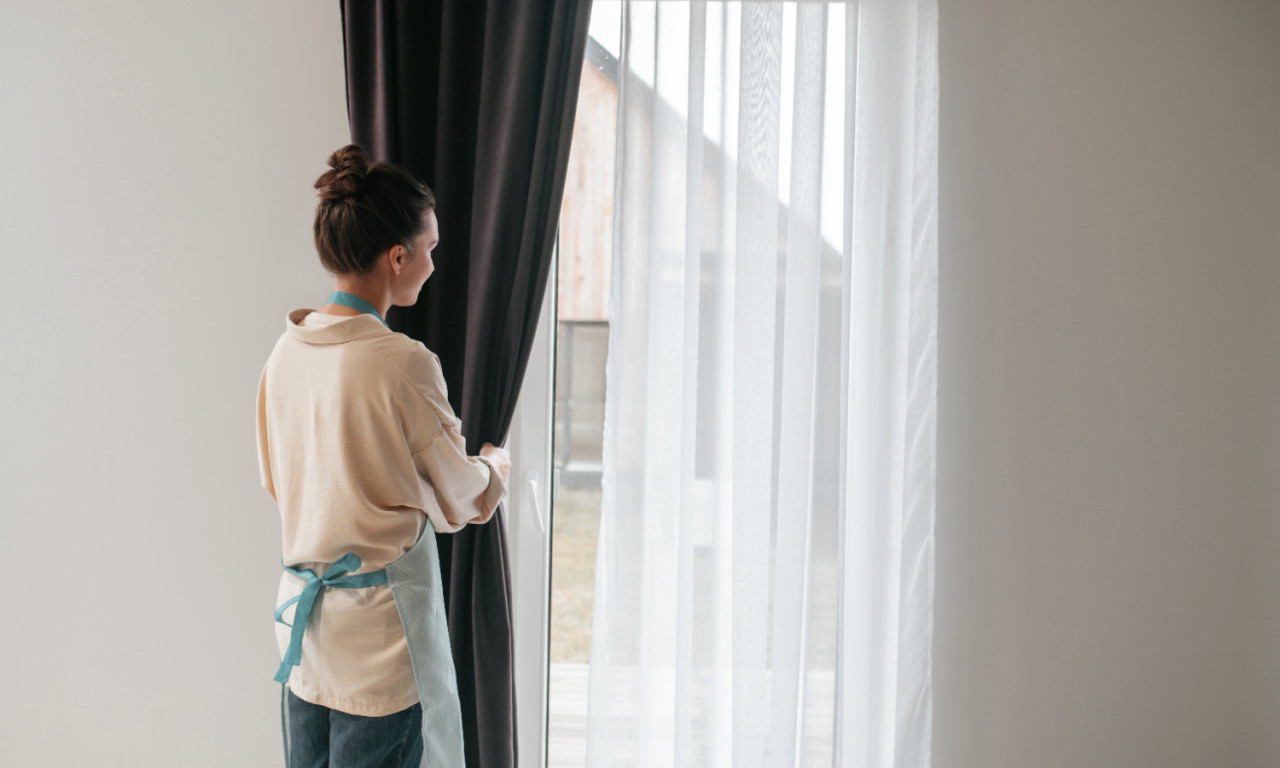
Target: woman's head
{"x":365,"y":210}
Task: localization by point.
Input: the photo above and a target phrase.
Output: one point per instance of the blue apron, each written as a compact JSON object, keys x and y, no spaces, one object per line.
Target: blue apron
{"x":414,"y":578}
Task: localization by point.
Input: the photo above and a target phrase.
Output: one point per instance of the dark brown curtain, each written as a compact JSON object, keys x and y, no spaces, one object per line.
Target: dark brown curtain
{"x":476,"y":97}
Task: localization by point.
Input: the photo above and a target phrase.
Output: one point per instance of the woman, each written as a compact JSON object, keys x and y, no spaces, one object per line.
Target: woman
{"x":358,"y":445}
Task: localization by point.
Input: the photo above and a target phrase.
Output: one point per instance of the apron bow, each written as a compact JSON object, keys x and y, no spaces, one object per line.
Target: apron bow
{"x":338,"y":575}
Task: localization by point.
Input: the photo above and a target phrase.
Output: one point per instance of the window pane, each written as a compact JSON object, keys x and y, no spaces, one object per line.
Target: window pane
{"x":582,"y":342}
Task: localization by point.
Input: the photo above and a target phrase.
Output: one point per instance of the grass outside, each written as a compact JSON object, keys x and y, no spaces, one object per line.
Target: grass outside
{"x":575,"y":528}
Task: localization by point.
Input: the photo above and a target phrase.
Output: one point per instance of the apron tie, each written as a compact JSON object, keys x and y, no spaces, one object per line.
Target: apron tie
{"x":338,"y":575}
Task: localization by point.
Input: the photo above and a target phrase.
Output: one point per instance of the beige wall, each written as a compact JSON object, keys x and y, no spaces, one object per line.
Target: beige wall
{"x":155,"y":213}
{"x":1109,"y":390}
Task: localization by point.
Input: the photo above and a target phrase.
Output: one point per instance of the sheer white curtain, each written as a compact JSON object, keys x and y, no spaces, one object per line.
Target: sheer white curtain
{"x":765,"y":575}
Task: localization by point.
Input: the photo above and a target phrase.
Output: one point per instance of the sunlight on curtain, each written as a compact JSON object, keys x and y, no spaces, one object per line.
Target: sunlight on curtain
{"x":765,"y":574}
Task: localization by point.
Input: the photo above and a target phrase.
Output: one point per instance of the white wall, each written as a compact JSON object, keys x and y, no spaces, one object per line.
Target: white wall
{"x":1109,"y":434}
{"x":155,"y":214}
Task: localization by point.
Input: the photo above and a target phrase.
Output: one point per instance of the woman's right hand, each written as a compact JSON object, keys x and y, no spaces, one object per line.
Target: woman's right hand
{"x":500,"y":458}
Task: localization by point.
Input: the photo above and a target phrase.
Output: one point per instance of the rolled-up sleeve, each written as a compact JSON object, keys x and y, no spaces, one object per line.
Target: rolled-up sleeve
{"x":467,"y":488}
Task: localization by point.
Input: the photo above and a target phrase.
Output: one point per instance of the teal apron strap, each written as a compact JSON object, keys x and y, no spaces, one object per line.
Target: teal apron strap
{"x":355,"y":302}
{"x":338,"y":576}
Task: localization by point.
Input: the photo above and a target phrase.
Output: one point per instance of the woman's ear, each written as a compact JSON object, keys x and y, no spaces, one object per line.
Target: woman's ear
{"x":396,"y":256}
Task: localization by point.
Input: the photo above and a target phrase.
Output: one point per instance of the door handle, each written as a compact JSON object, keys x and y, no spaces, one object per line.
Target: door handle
{"x":534,"y":505}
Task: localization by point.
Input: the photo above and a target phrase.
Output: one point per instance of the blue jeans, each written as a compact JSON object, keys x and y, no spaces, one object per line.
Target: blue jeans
{"x":319,"y":737}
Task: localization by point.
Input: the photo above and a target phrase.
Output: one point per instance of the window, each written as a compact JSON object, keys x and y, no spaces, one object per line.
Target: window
{"x":558,"y":428}
{"x":582,"y":343}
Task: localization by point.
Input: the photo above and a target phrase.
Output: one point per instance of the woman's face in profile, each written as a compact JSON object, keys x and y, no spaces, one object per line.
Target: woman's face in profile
{"x":419,"y":266}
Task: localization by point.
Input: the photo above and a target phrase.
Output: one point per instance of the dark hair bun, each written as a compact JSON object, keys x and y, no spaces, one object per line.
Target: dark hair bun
{"x":364,"y":209}
{"x":348,"y":175}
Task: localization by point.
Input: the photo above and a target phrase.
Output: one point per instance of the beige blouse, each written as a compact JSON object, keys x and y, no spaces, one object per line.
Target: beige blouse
{"x":358,"y":445}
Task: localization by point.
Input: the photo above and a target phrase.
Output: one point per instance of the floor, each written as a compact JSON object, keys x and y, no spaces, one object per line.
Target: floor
{"x":567,"y":716}
{"x":567,"y":719}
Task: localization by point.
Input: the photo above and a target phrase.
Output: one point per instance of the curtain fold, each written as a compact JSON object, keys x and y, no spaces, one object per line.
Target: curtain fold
{"x":765,"y":570}
{"x":477,"y":99}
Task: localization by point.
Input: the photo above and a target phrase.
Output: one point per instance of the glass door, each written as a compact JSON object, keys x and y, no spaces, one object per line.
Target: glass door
{"x":557,"y":433}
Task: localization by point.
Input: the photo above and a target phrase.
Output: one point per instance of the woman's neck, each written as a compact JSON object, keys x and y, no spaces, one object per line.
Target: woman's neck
{"x":379,"y":297}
